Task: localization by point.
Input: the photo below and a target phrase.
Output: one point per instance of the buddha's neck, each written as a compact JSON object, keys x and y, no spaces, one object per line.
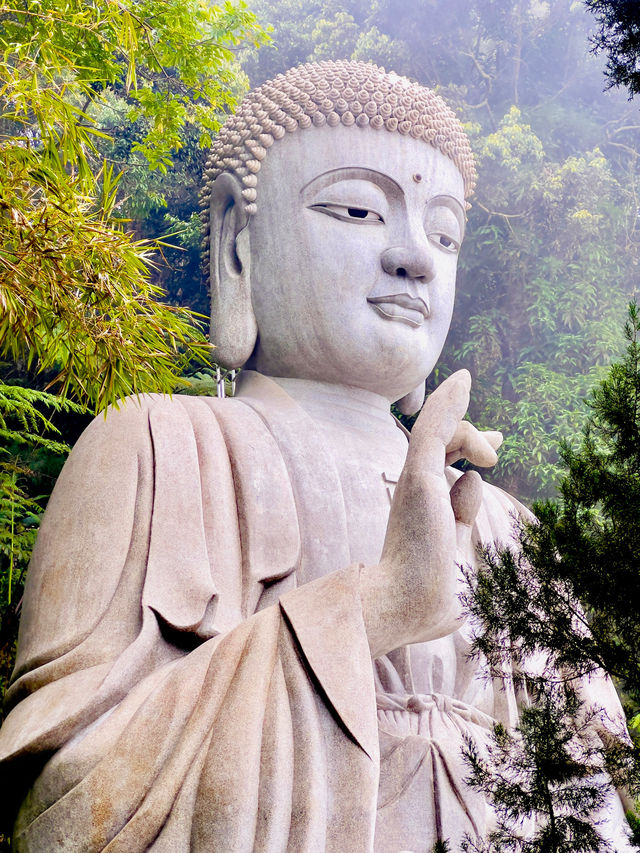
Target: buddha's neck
{"x":368,"y":450}
{"x":340,"y":405}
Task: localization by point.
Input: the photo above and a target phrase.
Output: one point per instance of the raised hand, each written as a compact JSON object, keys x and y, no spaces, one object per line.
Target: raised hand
{"x":411,"y":595}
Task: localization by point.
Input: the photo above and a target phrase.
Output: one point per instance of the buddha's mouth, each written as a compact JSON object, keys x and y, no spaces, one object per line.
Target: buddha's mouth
{"x":401,"y":306}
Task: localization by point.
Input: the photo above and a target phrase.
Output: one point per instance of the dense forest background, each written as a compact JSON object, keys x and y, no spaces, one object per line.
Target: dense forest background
{"x":551,"y":254}
{"x":552,"y":249}
{"x":106,"y":114}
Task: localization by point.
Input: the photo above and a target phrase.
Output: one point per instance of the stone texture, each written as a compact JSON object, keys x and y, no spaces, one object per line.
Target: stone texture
{"x":213,"y":578}
{"x":351,"y":93}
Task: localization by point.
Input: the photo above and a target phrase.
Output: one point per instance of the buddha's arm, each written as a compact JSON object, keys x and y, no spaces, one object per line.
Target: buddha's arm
{"x":232,"y":746}
{"x":106,"y":686}
{"x":83,"y":600}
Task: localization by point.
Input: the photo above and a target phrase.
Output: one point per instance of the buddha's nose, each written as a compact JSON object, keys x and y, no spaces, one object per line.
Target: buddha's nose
{"x":413,"y":261}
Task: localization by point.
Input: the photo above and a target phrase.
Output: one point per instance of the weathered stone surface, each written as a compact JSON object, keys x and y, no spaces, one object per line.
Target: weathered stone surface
{"x":213,"y":578}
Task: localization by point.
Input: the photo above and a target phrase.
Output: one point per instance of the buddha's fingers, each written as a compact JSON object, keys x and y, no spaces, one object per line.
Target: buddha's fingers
{"x":421,"y":519}
{"x":478,"y":447}
{"x":411,"y":595}
{"x":494,"y":437}
{"x":466,"y":497}
{"x":420,"y":543}
{"x":421,"y":527}
{"x":437,"y":424}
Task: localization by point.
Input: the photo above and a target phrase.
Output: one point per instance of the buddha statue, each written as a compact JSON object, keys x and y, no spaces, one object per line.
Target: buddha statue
{"x":241,"y":629}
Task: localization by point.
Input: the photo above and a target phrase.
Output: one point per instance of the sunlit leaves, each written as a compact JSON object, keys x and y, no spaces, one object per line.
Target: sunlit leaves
{"x":75,"y":296}
{"x":77,"y":302}
{"x":175,"y":59}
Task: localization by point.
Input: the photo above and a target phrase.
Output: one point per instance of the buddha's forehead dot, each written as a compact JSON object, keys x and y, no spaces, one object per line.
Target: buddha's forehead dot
{"x":323,"y":153}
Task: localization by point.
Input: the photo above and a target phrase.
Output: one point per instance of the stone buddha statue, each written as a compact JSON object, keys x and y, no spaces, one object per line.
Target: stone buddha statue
{"x":241,"y":628}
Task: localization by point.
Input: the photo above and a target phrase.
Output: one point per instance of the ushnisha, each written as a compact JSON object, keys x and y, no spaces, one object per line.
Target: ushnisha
{"x":354,"y":94}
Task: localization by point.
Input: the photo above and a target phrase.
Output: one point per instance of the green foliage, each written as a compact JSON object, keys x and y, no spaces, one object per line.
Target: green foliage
{"x":619,"y":37}
{"x":545,"y":242}
{"x":634,"y":823}
{"x":544,"y":779}
{"x":157,"y":132}
{"x":567,"y":605}
{"x":336,"y":36}
{"x":23,"y":423}
{"x":75,"y":292}
{"x":173,"y":59}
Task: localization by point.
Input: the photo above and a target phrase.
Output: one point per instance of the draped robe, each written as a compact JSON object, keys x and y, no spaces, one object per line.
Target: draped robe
{"x":193,"y":670}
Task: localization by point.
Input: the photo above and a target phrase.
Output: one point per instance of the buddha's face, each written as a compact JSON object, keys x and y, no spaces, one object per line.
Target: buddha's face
{"x":353,"y":258}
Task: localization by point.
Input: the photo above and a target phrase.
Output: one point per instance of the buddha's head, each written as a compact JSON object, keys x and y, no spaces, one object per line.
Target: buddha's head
{"x":334,"y":212}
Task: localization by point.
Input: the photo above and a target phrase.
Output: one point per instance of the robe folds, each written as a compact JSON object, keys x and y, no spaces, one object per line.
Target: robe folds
{"x":193,"y":671}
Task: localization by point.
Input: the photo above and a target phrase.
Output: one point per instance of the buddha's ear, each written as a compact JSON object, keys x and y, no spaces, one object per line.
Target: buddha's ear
{"x":412,"y":402}
{"x":234,"y":329}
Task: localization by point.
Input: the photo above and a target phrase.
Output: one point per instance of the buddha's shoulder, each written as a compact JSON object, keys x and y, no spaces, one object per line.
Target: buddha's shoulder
{"x":136,"y":411}
{"x":155,"y":421}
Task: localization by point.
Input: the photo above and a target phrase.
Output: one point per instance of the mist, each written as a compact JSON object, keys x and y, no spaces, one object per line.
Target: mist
{"x":551,"y":254}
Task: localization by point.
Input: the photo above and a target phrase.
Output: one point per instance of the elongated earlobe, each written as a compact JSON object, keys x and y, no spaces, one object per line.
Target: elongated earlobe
{"x":412,"y":402}
{"x":233,"y":325}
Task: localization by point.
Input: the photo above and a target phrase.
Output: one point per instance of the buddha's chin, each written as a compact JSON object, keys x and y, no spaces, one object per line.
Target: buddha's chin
{"x":394,"y":386}
{"x":408,"y":374}
{"x":392,"y":379}
{"x":391,"y":365}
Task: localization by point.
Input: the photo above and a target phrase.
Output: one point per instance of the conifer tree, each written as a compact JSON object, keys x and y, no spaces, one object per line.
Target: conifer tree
{"x":560,"y":609}
{"x":572,"y":590}
{"x":618,"y":35}
{"x":546,"y":779}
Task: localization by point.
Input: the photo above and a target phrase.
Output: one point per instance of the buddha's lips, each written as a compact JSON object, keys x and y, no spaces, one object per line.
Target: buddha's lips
{"x":402,"y":300}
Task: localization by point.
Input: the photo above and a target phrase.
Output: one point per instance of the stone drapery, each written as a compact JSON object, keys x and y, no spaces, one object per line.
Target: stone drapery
{"x":215,"y":680}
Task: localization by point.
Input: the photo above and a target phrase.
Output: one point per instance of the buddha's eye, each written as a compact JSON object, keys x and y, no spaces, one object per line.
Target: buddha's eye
{"x":447,"y":243}
{"x":348,"y":213}
{"x":443,"y":226}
